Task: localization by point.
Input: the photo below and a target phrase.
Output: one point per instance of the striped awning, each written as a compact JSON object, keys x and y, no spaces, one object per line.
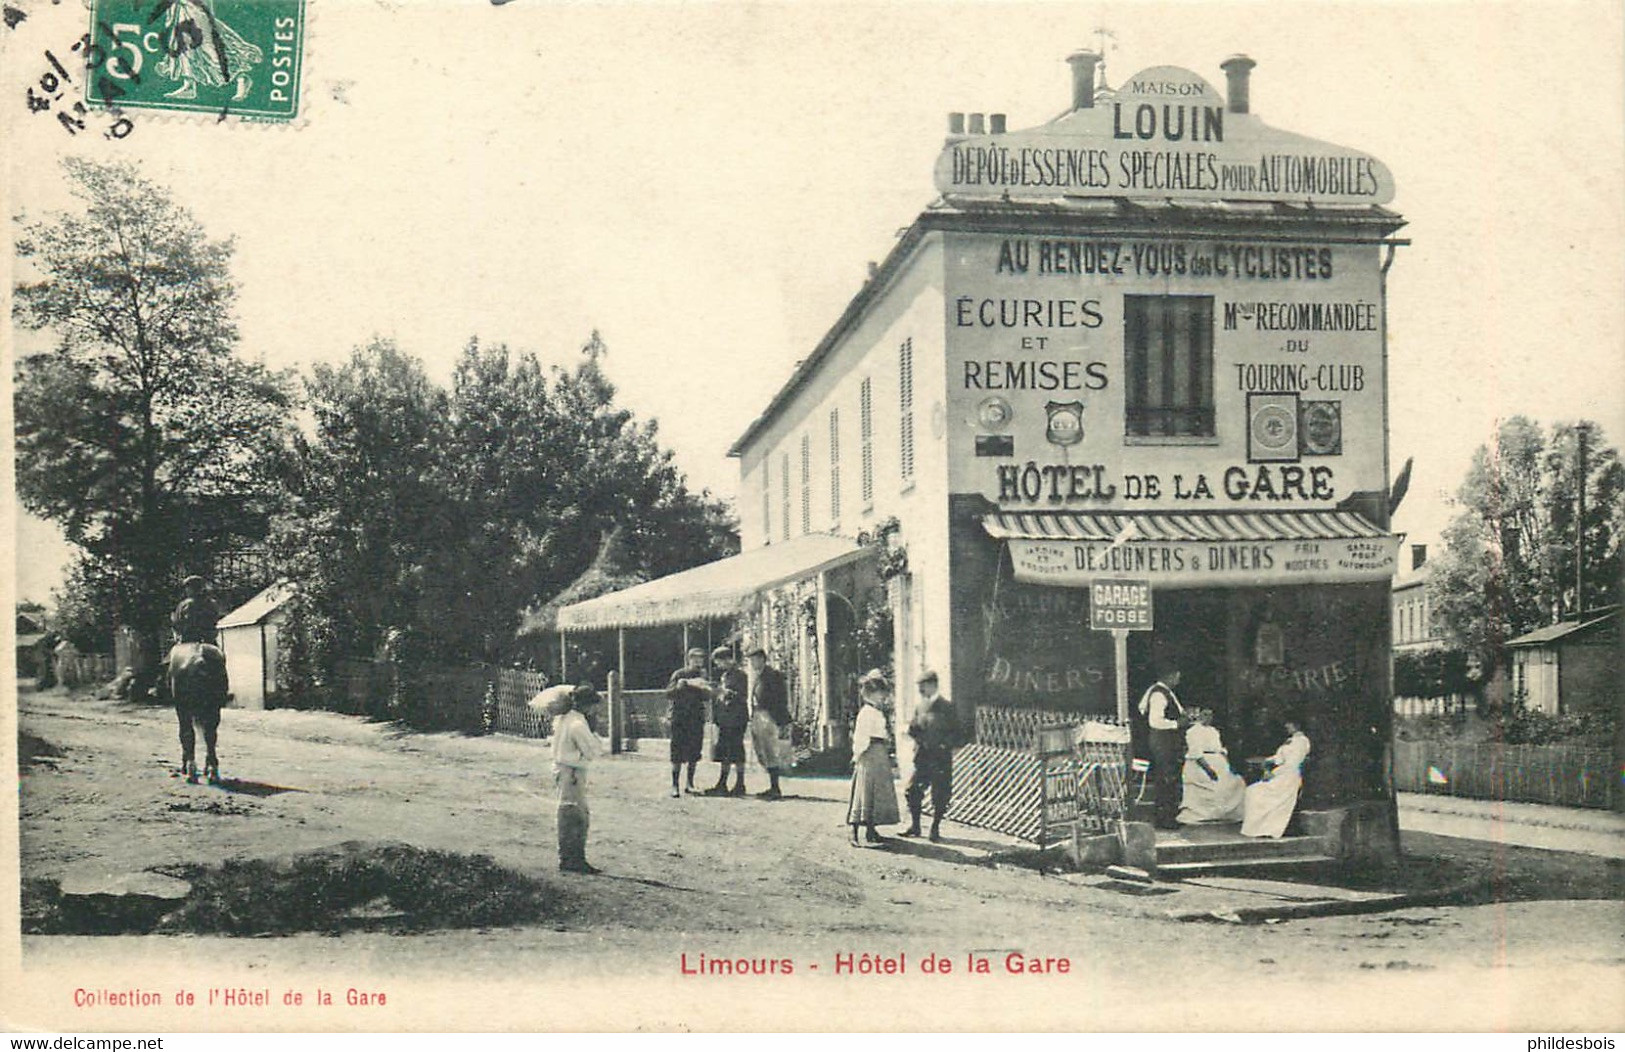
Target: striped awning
{"x":1211,"y":526}
{"x":1195,"y":550}
{"x":720,"y":589}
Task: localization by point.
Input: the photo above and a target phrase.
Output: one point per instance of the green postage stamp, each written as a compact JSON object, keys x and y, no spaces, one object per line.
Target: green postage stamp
{"x":229,"y":57}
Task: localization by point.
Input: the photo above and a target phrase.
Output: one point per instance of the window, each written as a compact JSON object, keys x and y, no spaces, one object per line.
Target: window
{"x":866,"y":439}
{"x":834,"y":466}
{"x":784,"y":488}
{"x":1168,"y":350}
{"x":767,"y":502}
{"x":806,"y":483}
{"x":905,"y":409}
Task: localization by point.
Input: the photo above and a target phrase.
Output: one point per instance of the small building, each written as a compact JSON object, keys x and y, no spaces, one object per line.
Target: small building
{"x":1570,"y":667}
{"x":249,"y":637}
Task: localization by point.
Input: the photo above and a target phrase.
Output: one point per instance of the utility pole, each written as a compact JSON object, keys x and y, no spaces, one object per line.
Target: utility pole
{"x":1580,"y":528}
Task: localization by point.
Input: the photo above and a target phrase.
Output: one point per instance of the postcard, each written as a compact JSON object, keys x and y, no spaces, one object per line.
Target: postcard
{"x":822,"y":517}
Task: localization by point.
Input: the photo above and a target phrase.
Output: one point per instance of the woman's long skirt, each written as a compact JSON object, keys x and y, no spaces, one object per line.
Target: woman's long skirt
{"x":1269,"y":804}
{"x":1207,"y":800}
{"x":874,"y":791}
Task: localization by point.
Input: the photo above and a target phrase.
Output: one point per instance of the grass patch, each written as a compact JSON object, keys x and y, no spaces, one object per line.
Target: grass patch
{"x":352,"y":887}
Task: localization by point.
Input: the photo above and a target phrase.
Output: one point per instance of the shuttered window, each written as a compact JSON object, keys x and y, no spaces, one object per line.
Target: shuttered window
{"x":866,"y":439}
{"x":784,"y":488}
{"x":767,"y":502}
{"x":834,"y":466}
{"x":905,"y":408}
{"x":806,"y":483}
{"x":1168,"y":351}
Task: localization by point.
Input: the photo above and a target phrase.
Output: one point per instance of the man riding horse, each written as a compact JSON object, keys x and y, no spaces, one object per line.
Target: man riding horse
{"x":197,"y":678}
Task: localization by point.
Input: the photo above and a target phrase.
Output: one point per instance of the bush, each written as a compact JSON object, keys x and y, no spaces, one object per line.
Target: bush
{"x":1515,"y":724}
{"x":1432,"y":673}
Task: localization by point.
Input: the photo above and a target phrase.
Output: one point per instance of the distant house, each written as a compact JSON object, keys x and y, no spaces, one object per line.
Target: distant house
{"x":249,"y":636}
{"x":30,"y":634}
{"x":1412,"y":605}
{"x":1572,"y":666}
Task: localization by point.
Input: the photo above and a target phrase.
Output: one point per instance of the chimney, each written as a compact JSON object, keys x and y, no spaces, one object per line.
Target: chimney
{"x":1237,"y":68}
{"x":976,"y":126}
{"x":956,"y":124}
{"x":1083,"y":65}
{"x":1419,"y":555}
{"x":874,"y":270}
{"x":995,"y":123}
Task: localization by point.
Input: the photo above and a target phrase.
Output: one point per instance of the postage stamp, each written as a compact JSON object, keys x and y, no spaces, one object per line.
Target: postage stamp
{"x":238,"y":58}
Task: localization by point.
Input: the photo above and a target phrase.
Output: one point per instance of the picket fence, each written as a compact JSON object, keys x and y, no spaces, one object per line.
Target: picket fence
{"x":1564,"y":775}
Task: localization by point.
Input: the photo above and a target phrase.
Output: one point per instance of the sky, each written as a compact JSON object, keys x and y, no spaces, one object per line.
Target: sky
{"x":705,"y":184}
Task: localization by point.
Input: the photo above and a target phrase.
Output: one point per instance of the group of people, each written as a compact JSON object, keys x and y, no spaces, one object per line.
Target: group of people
{"x":758,"y":704}
{"x":1195,"y":782}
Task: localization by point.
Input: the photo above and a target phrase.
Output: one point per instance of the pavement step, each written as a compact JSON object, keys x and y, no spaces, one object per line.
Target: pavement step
{"x":1239,"y":849}
{"x":1171,"y":869}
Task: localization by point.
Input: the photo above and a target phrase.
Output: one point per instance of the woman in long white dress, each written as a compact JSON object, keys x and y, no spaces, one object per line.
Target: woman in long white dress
{"x":1269,"y":802}
{"x":1212,"y":790}
{"x":874,"y":791}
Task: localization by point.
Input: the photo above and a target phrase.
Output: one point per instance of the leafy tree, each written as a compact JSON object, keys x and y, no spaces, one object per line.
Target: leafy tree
{"x":141,"y":434}
{"x":366,"y":511}
{"x":429,"y":520}
{"x":1508,"y":564}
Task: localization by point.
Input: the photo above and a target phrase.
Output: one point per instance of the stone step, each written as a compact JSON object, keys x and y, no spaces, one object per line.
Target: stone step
{"x":1226,"y":865}
{"x":1175,"y":851}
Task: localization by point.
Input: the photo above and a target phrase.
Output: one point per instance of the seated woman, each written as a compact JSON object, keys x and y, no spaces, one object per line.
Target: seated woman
{"x":1212,"y":791}
{"x":1268,"y":803}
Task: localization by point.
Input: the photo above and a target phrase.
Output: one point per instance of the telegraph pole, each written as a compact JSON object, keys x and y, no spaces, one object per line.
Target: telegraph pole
{"x":1580,"y":529}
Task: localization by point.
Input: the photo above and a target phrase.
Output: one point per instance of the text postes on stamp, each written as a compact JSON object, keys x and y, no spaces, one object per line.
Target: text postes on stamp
{"x":230,"y":57}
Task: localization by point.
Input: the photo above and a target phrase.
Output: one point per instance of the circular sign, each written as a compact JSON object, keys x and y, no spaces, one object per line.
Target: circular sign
{"x":994,"y":413}
{"x":1273,"y":428}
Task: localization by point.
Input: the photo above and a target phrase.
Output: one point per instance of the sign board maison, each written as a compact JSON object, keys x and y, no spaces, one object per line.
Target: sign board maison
{"x":1166,"y":133}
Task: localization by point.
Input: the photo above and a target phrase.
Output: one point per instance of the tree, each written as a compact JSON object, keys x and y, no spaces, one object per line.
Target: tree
{"x":141,"y":434}
{"x":1509,"y":560}
{"x":436,"y":518}
{"x":366,"y":511}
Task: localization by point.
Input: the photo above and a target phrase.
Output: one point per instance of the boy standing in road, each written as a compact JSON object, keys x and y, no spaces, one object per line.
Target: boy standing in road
{"x":730,"y":712}
{"x":687,"y":692}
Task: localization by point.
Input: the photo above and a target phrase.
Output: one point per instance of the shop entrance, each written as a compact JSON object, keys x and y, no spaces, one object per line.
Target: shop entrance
{"x":1190,"y":624}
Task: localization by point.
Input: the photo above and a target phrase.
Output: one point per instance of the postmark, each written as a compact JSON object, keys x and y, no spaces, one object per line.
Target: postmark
{"x":241,"y":58}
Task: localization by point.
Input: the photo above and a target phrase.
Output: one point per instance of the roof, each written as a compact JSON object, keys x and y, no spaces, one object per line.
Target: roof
{"x":1120,"y":216}
{"x":258,"y":608}
{"x":715,"y":590}
{"x":29,"y":639}
{"x":1562,"y":630}
{"x":611,"y":570}
{"x":1207,"y":526}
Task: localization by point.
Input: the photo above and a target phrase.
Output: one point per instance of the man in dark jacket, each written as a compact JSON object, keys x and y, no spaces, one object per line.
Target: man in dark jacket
{"x":769,"y":720}
{"x":687,"y":691}
{"x":936,"y":733}
{"x":195,"y":618}
{"x":730,"y":711}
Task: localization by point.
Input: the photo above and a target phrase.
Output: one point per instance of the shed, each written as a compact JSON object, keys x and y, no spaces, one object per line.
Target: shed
{"x":249,"y":637}
{"x":1572,"y":666}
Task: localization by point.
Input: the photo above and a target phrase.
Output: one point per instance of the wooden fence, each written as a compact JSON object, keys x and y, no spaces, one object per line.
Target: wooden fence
{"x":1441,"y":706}
{"x":1565,"y":775}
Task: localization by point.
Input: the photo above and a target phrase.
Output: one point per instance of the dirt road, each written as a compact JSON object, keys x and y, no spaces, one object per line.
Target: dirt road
{"x":736,"y":879}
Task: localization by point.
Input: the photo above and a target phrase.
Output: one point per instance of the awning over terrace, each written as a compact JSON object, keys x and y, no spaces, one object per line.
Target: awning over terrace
{"x":1202,"y":550}
{"x":716,"y":590}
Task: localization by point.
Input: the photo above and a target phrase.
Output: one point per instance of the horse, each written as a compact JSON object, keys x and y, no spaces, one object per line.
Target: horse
{"x":197,"y":685}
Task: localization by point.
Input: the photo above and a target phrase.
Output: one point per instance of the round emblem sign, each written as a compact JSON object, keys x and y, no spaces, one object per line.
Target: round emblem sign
{"x":1273,"y":428}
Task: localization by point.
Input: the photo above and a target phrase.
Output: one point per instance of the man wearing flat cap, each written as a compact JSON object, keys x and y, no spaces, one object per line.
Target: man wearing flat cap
{"x":195,"y":617}
{"x":769,"y":720}
{"x":687,"y":691}
{"x":936,"y":732}
{"x":730,"y":711}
